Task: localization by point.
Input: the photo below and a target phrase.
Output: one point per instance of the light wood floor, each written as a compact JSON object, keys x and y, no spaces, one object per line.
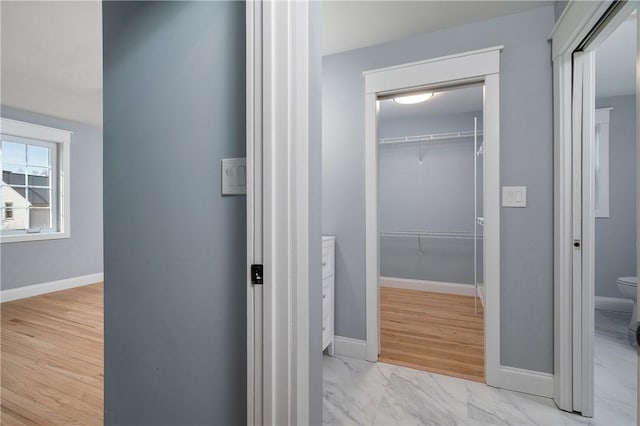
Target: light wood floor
{"x":51,"y":359}
{"x":435,"y":332}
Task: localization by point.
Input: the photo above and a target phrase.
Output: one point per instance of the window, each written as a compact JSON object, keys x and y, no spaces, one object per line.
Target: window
{"x":35,"y":181}
{"x":601,"y":163}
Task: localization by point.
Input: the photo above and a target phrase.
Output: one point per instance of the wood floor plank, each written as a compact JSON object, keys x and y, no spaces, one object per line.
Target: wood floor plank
{"x":51,"y":359}
{"x":435,"y":332}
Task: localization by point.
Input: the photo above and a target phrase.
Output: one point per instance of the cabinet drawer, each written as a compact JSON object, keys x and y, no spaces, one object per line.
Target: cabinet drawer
{"x":326,"y":332}
{"x":327,"y":261}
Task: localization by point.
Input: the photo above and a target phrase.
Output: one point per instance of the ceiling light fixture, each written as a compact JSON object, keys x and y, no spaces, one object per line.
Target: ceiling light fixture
{"x":413,"y":99}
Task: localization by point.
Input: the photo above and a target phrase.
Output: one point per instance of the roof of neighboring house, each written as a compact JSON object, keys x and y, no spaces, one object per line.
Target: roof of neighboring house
{"x":37,"y":197}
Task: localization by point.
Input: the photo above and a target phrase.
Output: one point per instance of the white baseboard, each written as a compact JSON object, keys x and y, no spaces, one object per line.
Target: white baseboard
{"x":432,"y":286}
{"x":352,"y":348}
{"x":613,"y":304}
{"x":49,"y":287}
{"x":526,"y":381}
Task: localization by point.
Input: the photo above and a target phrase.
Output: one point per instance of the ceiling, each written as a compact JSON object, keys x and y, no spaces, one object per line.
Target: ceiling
{"x":615,"y":62}
{"x":466,"y":99}
{"x":51,"y":52}
{"x":351,"y":25}
{"x":52,"y":58}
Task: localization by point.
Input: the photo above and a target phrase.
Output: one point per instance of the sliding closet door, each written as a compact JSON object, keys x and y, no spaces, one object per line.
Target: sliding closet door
{"x":583,"y":111}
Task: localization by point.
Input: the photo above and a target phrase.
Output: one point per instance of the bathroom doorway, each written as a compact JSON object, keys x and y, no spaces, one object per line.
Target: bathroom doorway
{"x":430,"y":230}
{"x":614,"y":230}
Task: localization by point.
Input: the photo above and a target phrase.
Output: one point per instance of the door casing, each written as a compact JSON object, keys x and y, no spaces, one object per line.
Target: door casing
{"x":475,"y":66}
{"x":278,"y":78}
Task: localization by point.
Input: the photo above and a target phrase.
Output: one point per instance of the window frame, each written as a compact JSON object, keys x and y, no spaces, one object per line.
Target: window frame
{"x":601,"y":175}
{"x":60,"y":200}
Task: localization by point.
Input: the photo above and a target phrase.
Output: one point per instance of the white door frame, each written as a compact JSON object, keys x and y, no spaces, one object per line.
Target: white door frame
{"x":638,"y":187}
{"x":254,"y":210}
{"x":476,"y":66}
{"x":573,"y":267}
{"x":278,"y":211}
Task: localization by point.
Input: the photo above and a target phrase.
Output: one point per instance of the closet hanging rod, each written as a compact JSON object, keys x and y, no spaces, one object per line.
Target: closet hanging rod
{"x":429,"y":234}
{"x":429,"y":138}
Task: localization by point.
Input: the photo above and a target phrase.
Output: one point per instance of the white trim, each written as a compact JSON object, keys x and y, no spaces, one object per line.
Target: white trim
{"x":637,"y":190}
{"x":430,"y":286}
{"x":33,"y":131}
{"x":432,"y":60}
{"x":49,"y":287}
{"x":587,"y":287}
{"x":616,"y":304}
{"x":63,"y":140}
{"x":464,"y":67}
{"x":372,"y":242}
{"x":254,"y":211}
{"x":602,"y":119}
{"x":577,"y":19}
{"x":526,"y":381}
{"x":563,"y":246}
{"x":299,"y":207}
{"x":285,"y":208}
{"x":40,"y":236}
{"x":352,"y":348}
{"x":637,"y":183}
{"x":477,"y":66}
{"x":491,"y":253}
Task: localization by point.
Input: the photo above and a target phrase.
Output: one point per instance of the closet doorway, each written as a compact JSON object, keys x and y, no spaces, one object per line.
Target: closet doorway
{"x":432,"y":170}
{"x":430,"y":230}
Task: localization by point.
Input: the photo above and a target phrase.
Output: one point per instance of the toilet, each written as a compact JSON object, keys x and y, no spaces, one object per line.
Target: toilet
{"x":628,"y":287}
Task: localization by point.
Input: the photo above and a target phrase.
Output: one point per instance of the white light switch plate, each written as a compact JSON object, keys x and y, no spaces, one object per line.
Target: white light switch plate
{"x":514,"y":196}
{"x":234,"y":176}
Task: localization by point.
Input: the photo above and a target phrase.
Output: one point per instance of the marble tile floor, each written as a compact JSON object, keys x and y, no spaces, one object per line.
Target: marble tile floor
{"x":615,"y":375}
{"x":361,"y":393}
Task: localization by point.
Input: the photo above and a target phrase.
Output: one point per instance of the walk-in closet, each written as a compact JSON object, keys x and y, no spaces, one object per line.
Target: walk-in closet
{"x":430,"y":230}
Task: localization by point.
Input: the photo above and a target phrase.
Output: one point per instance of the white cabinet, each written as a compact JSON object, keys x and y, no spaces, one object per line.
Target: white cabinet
{"x":328,"y":291}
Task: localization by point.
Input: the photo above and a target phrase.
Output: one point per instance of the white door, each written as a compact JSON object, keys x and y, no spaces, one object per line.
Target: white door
{"x":580,"y":387}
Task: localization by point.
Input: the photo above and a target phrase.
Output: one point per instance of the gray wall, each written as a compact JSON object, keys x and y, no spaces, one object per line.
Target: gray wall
{"x":616,"y":235}
{"x":175,"y":249}
{"x":559,"y":7}
{"x":526,"y":159}
{"x":35,"y":262}
{"x":436,"y":195}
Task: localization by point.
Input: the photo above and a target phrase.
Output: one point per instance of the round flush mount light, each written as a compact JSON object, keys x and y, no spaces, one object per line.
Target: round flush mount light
{"x":413,"y":99}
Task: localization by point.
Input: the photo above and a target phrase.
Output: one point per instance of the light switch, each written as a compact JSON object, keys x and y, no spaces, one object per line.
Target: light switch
{"x":514,"y":196}
{"x":234,"y":176}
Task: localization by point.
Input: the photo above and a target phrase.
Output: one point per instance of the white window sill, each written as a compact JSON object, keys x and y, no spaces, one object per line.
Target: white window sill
{"x":17,"y":238}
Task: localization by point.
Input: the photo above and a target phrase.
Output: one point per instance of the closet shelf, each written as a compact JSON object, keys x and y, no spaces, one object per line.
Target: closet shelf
{"x":429,"y":138}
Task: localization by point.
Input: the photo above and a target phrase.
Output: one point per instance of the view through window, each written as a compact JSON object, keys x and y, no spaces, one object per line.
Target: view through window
{"x":28,"y":186}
